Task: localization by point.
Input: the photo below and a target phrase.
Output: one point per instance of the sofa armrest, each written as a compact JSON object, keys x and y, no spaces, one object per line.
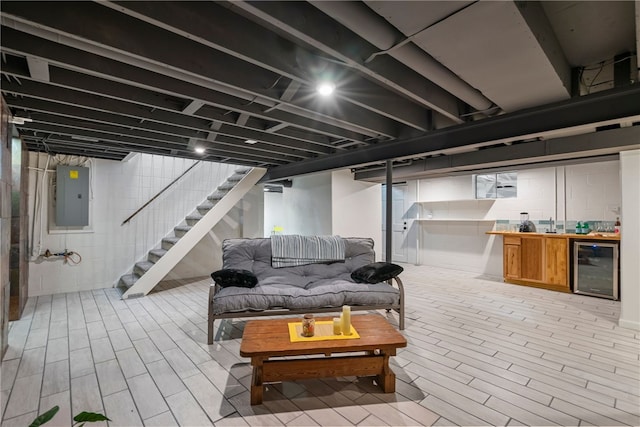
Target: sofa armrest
{"x":401,"y":290}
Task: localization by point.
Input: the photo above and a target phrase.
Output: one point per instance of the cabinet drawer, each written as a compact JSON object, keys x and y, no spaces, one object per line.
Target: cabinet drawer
{"x":511,"y":240}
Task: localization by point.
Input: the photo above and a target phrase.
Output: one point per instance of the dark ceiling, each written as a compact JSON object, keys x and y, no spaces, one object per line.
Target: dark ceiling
{"x":414,"y":79}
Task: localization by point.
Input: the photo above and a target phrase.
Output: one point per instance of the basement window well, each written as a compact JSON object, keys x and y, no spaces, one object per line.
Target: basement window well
{"x":502,"y":185}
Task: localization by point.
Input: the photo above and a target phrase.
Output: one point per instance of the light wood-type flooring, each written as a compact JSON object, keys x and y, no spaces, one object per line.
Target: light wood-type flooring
{"x":480,"y":352}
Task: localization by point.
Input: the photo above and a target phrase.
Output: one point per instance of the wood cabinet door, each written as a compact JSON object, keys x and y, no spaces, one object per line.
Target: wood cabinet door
{"x":556,"y":261}
{"x":531,"y":256}
{"x":511,"y":262}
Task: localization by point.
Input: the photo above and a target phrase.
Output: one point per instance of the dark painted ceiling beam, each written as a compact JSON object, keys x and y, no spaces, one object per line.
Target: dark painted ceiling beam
{"x":112,"y":135}
{"x":211,"y":24}
{"x":117,"y":34}
{"x":108,"y":140}
{"x":81,"y":114}
{"x":147,"y":139}
{"x":147,"y":115}
{"x":34,"y":144}
{"x":111,"y":72}
{"x":570,"y":147}
{"x":599,"y":107}
{"x":306,"y":23}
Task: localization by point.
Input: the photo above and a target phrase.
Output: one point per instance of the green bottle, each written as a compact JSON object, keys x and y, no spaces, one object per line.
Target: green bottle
{"x":578,"y":228}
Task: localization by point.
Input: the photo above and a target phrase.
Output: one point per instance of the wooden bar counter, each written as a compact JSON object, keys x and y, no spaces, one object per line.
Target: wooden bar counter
{"x":541,"y":260}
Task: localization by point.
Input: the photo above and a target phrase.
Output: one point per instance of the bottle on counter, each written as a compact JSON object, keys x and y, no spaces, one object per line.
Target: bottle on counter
{"x":585,"y":228}
{"x":617,"y":228}
{"x":578,"y":227}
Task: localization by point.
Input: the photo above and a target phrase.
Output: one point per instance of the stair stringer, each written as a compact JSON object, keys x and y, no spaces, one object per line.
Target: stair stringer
{"x":164,"y":265}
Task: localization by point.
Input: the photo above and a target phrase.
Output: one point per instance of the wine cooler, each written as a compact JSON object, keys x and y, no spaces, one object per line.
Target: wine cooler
{"x":595,"y":269}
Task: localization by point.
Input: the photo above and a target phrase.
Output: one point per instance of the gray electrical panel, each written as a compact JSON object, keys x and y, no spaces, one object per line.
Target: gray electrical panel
{"x":72,"y":196}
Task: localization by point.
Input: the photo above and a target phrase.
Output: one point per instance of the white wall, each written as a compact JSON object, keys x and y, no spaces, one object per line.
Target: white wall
{"x":307,"y":205}
{"x":356,"y":208}
{"x":109,"y":249}
{"x":575,"y":192}
{"x":325,"y":204}
{"x":630,"y":240}
{"x":274,"y":212}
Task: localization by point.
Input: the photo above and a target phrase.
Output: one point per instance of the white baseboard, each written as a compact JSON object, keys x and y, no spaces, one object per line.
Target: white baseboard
{"x":629,"y":324}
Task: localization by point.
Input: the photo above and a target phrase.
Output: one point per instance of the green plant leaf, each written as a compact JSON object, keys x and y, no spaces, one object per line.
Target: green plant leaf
{"x":89,"y":417}
{"x":41,"y":419}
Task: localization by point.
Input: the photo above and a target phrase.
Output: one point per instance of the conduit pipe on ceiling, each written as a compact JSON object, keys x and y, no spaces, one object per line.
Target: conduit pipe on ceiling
{"x":377,"y":31}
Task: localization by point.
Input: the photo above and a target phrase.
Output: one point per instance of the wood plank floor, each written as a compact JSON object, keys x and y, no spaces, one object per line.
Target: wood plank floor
{"x":480,"y":353}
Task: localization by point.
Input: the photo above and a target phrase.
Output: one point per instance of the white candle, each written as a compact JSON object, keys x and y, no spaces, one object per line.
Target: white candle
{"x":346,"y":320}
{"x":337,"y":326}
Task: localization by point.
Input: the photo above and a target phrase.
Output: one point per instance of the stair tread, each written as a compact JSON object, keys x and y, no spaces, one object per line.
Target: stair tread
{"x":144,"y":265}
{"x":129,"y":279}
{"x":236,"y":177}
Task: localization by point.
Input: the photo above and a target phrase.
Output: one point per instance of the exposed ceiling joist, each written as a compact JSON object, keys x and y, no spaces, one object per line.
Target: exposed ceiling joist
{"x":599,"y":107}
{"x":102,"y":78}
{"x":570,"y":147}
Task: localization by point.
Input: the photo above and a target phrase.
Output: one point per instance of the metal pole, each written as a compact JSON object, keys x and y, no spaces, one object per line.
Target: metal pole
{"x":389,"y":222}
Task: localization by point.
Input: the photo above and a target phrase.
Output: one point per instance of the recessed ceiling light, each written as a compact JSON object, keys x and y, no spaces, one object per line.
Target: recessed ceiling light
{"x":199,"y":150}
{"x":251,"y":141}
{"x":326,"y":88}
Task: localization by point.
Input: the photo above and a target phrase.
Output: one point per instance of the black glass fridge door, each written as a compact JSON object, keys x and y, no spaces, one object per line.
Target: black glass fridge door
{"x":595,"y":267}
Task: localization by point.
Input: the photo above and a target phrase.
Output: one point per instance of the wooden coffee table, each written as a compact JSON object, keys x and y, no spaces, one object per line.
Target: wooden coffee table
{"x":265,"y":339}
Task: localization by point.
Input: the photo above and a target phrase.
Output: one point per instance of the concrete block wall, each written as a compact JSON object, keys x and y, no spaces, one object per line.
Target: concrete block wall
{"x":108,"y":248}
{"x":573,"y":192}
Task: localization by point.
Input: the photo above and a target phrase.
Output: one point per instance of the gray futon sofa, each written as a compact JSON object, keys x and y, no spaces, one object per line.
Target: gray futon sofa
{"x":313,"y":288}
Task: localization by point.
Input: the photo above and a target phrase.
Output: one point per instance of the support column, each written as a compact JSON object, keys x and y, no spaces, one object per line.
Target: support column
{"x":389,"y":210}
{"x":630,"y":240}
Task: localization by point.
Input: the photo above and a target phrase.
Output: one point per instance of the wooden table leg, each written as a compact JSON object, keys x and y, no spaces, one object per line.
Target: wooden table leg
{"x":387,"y":379}
{"x":256,"y":381}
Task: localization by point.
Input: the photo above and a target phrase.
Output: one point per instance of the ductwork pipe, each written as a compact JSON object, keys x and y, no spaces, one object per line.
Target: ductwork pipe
{"x":377,"y":31}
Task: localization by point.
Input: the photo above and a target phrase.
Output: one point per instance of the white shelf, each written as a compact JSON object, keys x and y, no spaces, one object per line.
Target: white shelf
{"x":487,"y":201}
{"x":455,"y":220}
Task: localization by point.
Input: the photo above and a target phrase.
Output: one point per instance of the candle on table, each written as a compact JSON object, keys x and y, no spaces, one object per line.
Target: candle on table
{"x":346,"y":320}
{"x":337,"y":326}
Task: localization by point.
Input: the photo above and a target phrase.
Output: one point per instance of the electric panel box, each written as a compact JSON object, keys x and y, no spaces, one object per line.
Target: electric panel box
{"x":72,"y":196}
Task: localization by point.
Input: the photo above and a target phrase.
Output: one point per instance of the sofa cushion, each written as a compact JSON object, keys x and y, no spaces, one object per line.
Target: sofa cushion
{"x":376,"y":272}
{"x":320,"y":294}
{"x":234,"y":277}
{"x":303,"y":287}
{"x":255,"y":255}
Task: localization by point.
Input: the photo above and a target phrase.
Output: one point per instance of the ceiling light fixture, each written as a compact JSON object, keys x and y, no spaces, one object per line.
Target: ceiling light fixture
{"x":199,"y":150}
{"x":251,"y":141}
{"x":326,"y":88}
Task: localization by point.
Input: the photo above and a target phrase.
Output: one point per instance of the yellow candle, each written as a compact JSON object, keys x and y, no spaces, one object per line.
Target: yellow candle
{"x":337,"y":326}
{"x":346,"y":320}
